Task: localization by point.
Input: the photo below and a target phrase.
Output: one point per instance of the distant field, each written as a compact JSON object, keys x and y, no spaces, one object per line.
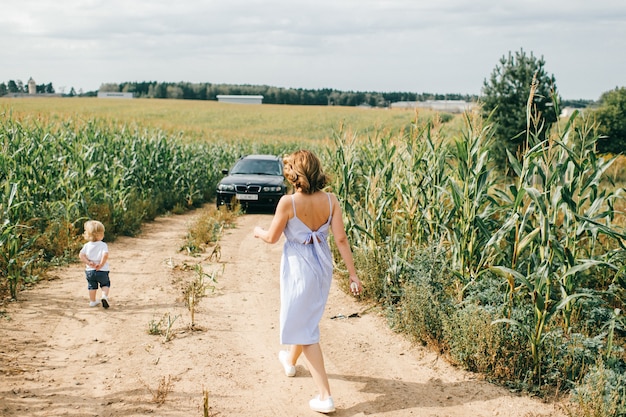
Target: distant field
{"x":213,"y":121}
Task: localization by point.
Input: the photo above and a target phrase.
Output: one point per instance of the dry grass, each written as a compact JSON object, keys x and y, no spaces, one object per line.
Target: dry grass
{"x":207,"y":230}
{"x":206,"y":409}
{"x":617,"y":172}
{"x":164,"y":386}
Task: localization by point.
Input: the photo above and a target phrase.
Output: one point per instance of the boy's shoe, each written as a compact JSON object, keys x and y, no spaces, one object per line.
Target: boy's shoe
{"x":105,"y":302}
{"x":290,"y":370}
{"x":325,"y":406}
{"x":93,"y":303}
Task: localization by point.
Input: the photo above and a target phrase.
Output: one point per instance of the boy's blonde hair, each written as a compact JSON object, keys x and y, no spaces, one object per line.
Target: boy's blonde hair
{"x":94,"y":230}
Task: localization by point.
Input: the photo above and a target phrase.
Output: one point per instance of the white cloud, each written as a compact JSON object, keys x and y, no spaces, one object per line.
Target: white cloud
{"x":383,"y":45}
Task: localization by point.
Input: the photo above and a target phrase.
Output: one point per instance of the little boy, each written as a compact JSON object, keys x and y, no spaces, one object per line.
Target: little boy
{"x":95,"y":255}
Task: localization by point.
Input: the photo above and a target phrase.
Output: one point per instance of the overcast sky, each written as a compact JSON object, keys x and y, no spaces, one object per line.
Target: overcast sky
{"x":436,"y":46}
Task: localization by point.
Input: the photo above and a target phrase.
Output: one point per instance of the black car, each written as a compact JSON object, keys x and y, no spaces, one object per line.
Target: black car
{"x":254,"y":180}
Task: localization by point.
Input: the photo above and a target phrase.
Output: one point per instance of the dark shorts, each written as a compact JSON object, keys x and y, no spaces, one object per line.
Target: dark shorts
{"x":97,"y":277}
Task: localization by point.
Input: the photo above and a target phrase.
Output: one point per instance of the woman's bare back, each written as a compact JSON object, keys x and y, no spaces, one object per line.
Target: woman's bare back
{"x":312,"y":209}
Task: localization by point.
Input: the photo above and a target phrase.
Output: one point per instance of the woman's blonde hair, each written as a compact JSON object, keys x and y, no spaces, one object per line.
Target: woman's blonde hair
{"x":94,"y":230}
{"x":303,"y":170}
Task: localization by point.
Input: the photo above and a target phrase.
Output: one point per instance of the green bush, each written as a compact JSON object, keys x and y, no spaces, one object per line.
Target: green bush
{"x":611,"y":117}
{"x":479,"y":346}
{"x":424,"y":304}
{"x":602,"y":393}
{"x":568,"y":357}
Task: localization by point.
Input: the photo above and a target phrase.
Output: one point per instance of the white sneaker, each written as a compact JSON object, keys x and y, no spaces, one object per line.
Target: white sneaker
{"x":93,"y":303}
{"x":105,"y":302}
{"x":325,"y":406}
{"x":283,"y":357}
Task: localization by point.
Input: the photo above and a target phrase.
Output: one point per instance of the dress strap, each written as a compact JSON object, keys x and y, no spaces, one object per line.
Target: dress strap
{"x":330,"y":205}
{"x":293,"y":204}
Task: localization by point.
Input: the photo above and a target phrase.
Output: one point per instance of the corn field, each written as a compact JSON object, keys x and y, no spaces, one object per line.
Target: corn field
{"x":522,"y":278}
{"x":54,"y":177}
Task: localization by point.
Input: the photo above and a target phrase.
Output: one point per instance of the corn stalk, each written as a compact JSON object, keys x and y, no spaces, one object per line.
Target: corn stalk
{"x":15,"y":244}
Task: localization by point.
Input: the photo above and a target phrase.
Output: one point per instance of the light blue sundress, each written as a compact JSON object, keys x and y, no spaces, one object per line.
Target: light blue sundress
{"x":306,"y":272}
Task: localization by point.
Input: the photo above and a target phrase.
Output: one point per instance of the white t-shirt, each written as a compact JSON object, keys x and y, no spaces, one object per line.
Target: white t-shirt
{"x":94,"y":252}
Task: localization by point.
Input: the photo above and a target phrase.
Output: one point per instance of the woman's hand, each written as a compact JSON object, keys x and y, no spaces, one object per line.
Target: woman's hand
{"x":356,"y":288}
{"x":258,"y":231}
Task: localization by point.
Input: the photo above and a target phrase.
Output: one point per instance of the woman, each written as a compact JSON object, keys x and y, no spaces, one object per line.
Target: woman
{"x":306,"y":268}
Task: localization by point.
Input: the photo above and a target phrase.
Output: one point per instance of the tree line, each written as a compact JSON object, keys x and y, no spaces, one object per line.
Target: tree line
{"x":274,"y":95}
{"x":271,"y":95}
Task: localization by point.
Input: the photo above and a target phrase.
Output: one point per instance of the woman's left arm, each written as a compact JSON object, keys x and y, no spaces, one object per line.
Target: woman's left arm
{"x":341,"y":240}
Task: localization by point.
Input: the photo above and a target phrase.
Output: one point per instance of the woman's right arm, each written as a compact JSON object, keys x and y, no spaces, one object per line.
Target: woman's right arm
{"x":281,"y":216}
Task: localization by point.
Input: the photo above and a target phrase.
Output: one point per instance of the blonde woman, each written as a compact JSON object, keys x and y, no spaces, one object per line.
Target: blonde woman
{"x":95,"y":255}
{"x":306,"y":217}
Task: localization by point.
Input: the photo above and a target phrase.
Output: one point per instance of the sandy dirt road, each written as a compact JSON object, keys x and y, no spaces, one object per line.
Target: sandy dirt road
{"x":59,"y":357}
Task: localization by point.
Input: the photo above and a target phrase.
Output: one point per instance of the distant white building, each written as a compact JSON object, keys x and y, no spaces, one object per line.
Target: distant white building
{"x":240,"y":99}
{"x":450,"y":106}
{"x":567,"y":112}
{"x":113,"y":94}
